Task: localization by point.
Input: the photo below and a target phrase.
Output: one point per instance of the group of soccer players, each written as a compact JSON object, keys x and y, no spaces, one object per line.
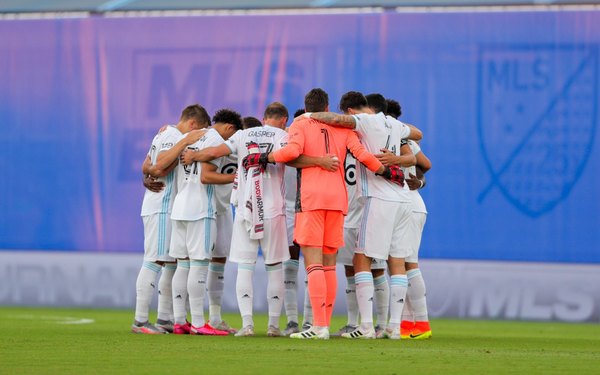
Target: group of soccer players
{"x":339,"y":188}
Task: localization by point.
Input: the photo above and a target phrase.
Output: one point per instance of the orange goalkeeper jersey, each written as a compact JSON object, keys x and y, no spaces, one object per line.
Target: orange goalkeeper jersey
{"x":319,"y":189}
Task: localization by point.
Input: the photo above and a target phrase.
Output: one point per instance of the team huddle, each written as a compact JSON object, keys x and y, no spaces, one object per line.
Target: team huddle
{"x":338,"y":188}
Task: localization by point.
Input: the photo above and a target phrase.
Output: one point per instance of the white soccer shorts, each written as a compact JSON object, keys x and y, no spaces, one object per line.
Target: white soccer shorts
{"x":157,"y":237}
{"x":384,"y":229}
{"x":290,"y":217}
{"x":274,"y":244}
{"x":346,"y":252}
{"x":417,"y":223}
{"x":193,"y":239}
{"x":224,"y":233}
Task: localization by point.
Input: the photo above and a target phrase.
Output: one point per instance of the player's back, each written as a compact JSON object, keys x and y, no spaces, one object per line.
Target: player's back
{"x":269,"y":139}
{"x":318,"y":188}
{"x":378,"y":132}
{"x":162,"y":201}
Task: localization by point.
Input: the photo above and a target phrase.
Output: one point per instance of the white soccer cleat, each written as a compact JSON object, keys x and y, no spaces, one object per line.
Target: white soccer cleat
{"x":345,"y":329}
{"x":313,"y":333}
{"x":273,"y":331}
{"x":223,"y":326}
{"x":166,"y":326}
{"x":246,"y":331}
{"x":146,"y":328}
{"x":360,"y":333}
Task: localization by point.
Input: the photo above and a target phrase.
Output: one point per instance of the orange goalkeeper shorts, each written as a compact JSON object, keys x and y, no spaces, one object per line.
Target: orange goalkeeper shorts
{"x":320,"y":228}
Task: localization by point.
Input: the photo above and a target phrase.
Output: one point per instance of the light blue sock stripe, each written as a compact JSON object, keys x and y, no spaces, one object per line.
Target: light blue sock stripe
{"x":379,"y":280}
{"x":274,"y":267}
{"x":162,"y":229}
{"x":216,"y":267}
{"x":292,"y":262}
{"x":399,"y":280}
{"x":363,"y":277}
{"x":413,"y":273}
{"x":171,"y":266}
{"x":246,"y":266}
{"x":198,"y":263}
{"x":350,"y":280}
{"x":183,"y":263}
{"x":152,"y":266}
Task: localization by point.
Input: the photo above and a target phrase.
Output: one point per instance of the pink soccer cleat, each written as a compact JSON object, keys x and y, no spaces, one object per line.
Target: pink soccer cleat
{"x":182,"y":329}
{"x":207,"y":330}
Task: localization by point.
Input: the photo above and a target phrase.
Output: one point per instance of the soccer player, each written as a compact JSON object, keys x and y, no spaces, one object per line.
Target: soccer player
{"x":353,"y":103}
{"x":194,"y":218}
{"x":415,"y":320}
{"x":250,"y":122}
{"x":385,"y":218}
{"x":271,"y":218}
{"x":156,"y":208}
{"x":322,"y":203}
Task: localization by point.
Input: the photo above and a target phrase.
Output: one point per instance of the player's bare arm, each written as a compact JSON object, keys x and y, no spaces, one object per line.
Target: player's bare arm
{"x":328,"y":162}
{"x":206,"y":154}
{"x":165,"y":158}
{"x":333,"y":119}
{"x":209,"y":175}
{"x":405,"y":159}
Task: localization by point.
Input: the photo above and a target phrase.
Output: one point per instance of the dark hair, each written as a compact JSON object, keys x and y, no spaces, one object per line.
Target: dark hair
{"x":299,"y":112}
{"x":227,"y":116}
{"x":393,"y":108}
{"x":195,"y":112}
{"x":352,"y":99}
{"x":377,"y":103}
{"x":276,"y":110}
{"x":316,"y":100}
{"x":250,"y":122}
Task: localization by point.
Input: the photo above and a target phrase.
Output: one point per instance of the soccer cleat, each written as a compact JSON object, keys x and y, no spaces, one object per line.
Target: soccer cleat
{"x":207,"y":330}
{"x":166,"y":326}
{"x":182,"y":329}
{"x":379,"y":330}
{"x":246,"y":331}
{"x":406,"y":328}
{"x":223,"y":326}
{"x":360,"y":333}
{"x":273,"y":331}
{"x":292,"y":327}
{"x":345,"y":329}
{"x":306,"y":326}
{"x":421,"y":331}
{"x":313,"y":333}
{"x":146,"y":328}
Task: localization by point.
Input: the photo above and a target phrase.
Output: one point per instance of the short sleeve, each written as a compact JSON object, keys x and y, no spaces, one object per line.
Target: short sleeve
{"x":414,"y":147}
{"x":234,"y":142}
{"x":362,"y":122}
{"x":169,"y":140}
{"x":404,"y":129}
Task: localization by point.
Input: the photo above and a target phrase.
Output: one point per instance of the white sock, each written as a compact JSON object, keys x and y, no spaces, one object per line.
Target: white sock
{"x":364,"y":296}
{"x":399,"y":285}
{"x":290,"y":274}
{"x":308,"y":315}
{"x":244,"y":292}
{"x":407,"y":313}
{"x":197,"y":290}
{"x":180,"y":293}
{"x":382,"y":299}
{"x":417,"y":295}
{"x":215,"y":286}
{"x":275,"y":292}
{"x":144,"y":287}
{"x":165,"y":292}
{"x":351,"y":302}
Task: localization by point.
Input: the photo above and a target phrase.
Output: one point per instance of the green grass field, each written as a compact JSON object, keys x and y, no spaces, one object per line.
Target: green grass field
{"x":38,"y":341}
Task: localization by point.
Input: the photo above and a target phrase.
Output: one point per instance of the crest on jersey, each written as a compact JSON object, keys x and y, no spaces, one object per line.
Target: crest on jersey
{"x":537,"y":108}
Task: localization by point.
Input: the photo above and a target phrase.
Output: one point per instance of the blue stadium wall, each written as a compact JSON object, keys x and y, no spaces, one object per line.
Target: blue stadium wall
{"x":508,"y":103}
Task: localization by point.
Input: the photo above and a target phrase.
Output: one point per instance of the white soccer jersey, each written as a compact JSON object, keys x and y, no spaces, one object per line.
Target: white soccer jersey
{"x":162,"y":202}
{"x":355,"y":204}
{"x":228,"y":165}
{"x":195,"y":200}
{"x":418,"y":205}
{"x":377,"y":132}
{"x":291,"y":183}
{"x":269,"y":139}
